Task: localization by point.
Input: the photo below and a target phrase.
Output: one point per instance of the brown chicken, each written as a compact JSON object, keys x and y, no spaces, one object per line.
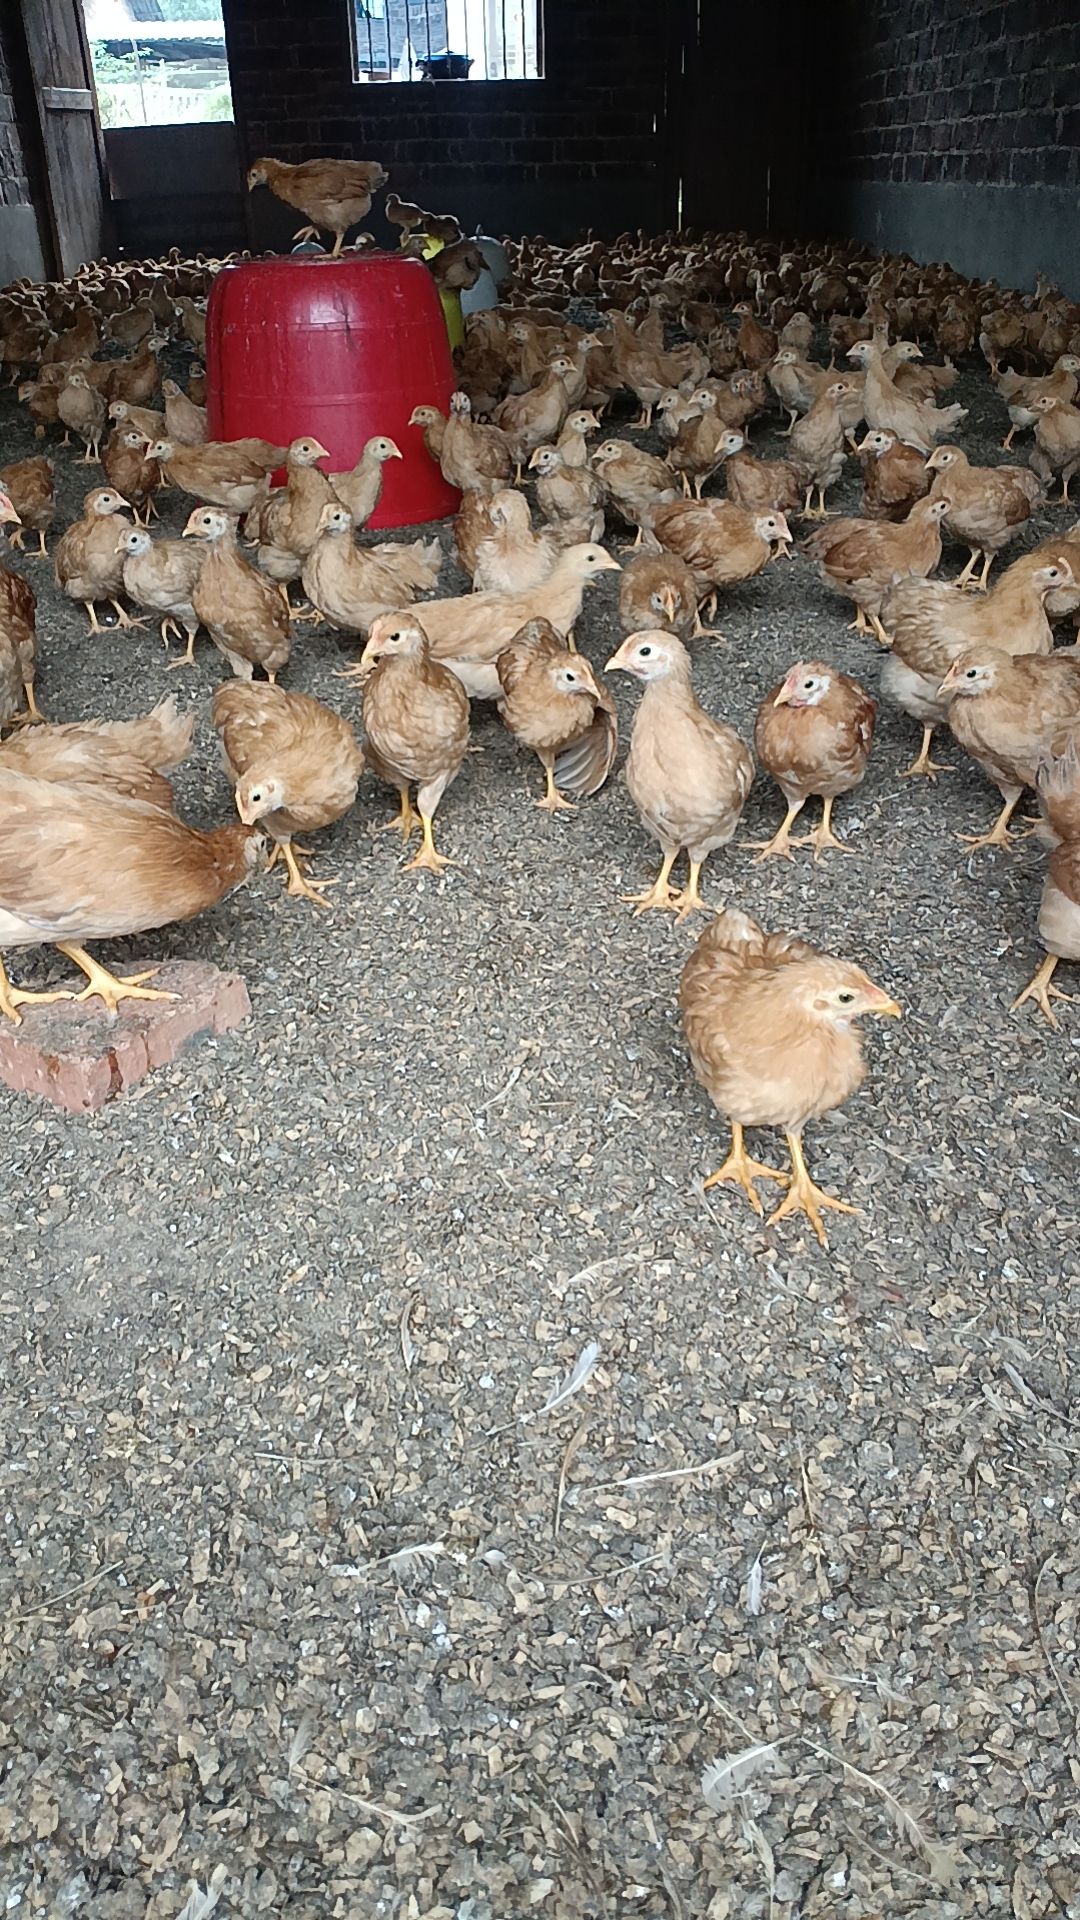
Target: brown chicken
{"x":151,"y":425}
{"x":512,"y":558}
{"x":224,"y":473}
{"x":930,"y":623}
{"x":83,"y":413}
{"x":87,"y":562}
{"x":647,"y":370}
{"x":243,"y":613}
{"x":570,"y":498}
{"x":760,"y":486}
{"x":416,"y":726}
{"x":360,"y":488}
{"x":552,"y":703}
{"x":29,"y":486}
{"x":128,"y":471}
{"x":82,"y":862}
{"x":987,"y":505}
{"x":1057,"y":441}
{"x":161,"y":575}
{"x":288,"y":524}
{"x":698,"y":450}
{"x":18,"y":643}
{"x":1006,"y":714}
{"x":769,"y":1022}
{"x":1059,"y":908}
{"x":915,"y":422}
{"x":185,"y":423}
{"x":657,"y":590}
{"x":530,"y":420}
{"x":636,"y":483}
{"x":894,"y":476}
{"x":433,"y":427}
{"x":352,"y":585}
{"x":468,"y":633}
{"x":720,"y":542}
{"x":818,"y":444}
{"x":1020,"y":393}
{"x":687,"y":774}
{"x":130,"y":756}
{"x":296,"y":765}
{"x":332,"y":195}
{"x":861,"y":558}
{"x":813,"y":733}
{"x":572,"y":445}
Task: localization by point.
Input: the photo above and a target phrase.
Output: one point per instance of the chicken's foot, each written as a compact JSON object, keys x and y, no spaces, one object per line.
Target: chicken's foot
{"x":306,"y":233}
{"x":860,"y":624}
{"x":1064,"y":501}
{"x":123,"y":618}
{"x":427,"y":858}
{"x":988,"y":561}
{"x":923,"y":762}
{"x":964,"y":579}
{"x":779,"y":847}
{"x":823,"y":835}
{"x":644,"y":418}
{"x":660,"y":895}
{"x":999,"y":835}
{"x":553,"y":801}
{"x":405,"y":820}
{"x":805,"y":1196}
{"x":111,"y":987}
{"x":95,"y":624}
{"x":689,"y":900}
{"x":698,"y":632}
{"x":743,"y":1171}
{"x":1040,"y":990}
{"x":299,"y":886}
{"x":1008,"y":440}
{"x":33,"y":717}
{"x":12,"y":998}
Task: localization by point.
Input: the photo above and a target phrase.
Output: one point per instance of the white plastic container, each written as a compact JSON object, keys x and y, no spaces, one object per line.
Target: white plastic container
{"x":491,"y":284}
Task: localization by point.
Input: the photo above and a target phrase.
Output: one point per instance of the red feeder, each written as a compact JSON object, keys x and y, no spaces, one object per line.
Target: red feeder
{"x":341,"y":349}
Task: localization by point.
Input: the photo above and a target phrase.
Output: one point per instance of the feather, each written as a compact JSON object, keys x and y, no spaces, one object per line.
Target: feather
{"x":573,"y":1382}
{"x":732,"y":1774}
{"x":199,"y":1904}
{"x":755,"y":1580}
{"x":301,"y":1743}
{"x":408,"y":1561}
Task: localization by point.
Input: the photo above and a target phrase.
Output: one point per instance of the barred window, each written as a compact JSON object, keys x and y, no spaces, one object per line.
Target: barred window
{"x":447,"y":40}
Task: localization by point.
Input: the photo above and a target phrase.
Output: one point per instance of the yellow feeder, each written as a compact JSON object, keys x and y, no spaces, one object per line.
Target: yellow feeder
{"x":451,"y":298}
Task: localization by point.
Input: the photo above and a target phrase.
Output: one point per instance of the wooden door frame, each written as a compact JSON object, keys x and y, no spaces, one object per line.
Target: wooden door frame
{"x":74,"y":11}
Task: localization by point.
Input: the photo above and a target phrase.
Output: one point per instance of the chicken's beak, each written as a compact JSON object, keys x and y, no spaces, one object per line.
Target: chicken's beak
{"x":321,"y":452}
{"x":534,"y":459}
{"x":885,"y":1005}
{"x":608,"y":565}
{"x":783,"y":698}
{"x":668,"y":602}
{"x":395,"y":451}
{"x":948,"y":683}
{"x":247,"y":816}
{"x":8,"y":515}
{"x":616,"y":664}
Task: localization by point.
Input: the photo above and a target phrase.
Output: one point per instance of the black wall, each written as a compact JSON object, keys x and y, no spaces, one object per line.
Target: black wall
{"x":953,"y":132}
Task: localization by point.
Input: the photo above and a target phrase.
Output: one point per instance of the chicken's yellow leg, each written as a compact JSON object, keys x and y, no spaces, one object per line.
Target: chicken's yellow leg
{"x":300,"y":887}
{"x":111,"y":987}
{"x":659,"y":894}
{"x":427,"y":858}
{"x":988,"y":561}
{"x":405,"y":819}
{"x":999,"y":835}
{"x":553,"y":801}
{"x":12,"y":998}
{"x":33,"y":711}
{"x":1039,"y":989}
{"x":1008,"y":440}
{"x":804,"y":1196}
{"x":690,"y":900}
{"x":738,"y":1167}
{"x":823,"y":836}
{"x":779,"y":847}
{"x":964,"y":579}
{"x":923,"y":762}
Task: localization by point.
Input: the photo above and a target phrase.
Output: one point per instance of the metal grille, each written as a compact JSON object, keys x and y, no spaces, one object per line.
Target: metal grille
{"x":447,"y":39}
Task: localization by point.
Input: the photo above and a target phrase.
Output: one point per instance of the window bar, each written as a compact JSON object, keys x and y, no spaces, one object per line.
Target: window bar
{"x":389,"y":44}
{"x":503,"y":26}
{"x":427,"y":25}
{"x":370,"y":45}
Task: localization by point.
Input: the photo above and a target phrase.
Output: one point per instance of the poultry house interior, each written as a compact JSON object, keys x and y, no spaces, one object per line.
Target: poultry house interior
{"x":567,"y":1407}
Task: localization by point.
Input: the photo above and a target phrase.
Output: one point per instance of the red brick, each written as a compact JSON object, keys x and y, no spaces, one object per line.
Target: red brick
{"x":78,"y":1056}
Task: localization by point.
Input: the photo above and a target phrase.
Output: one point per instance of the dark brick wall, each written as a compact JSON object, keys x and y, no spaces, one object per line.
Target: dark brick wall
{"x":14,"y":170}
{"x":584,"y":145}
{"x":985,"y":91}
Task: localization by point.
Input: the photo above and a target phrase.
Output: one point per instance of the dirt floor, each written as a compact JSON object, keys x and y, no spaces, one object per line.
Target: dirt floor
{"x":308,"y":1601}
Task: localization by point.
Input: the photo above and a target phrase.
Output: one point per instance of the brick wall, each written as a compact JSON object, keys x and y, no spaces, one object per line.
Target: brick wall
{"x":967,"y":90}
{"x":583,"y":146}
{"x":951,"y":128}
{"x":21,"y":233}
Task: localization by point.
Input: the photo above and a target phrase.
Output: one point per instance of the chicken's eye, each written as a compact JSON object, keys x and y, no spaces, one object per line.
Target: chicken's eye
{"x":845,"y":998}
{"x":972,"y":673}
{"x":644,"y":653}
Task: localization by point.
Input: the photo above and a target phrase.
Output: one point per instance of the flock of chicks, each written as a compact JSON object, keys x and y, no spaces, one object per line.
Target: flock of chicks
{"x":91,"y":846}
